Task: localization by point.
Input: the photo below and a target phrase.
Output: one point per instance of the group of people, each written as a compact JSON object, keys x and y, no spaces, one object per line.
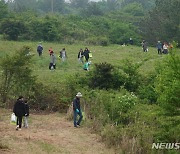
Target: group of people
{"x":163,"y":48}
{"x":83,"y":57}
{"x":21,"y":109}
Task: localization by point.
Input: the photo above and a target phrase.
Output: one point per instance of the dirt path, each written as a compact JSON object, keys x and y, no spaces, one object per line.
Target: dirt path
{"x":50,"y":134}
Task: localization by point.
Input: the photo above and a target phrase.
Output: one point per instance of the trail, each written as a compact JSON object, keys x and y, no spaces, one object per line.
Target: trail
{"x":48,"y":134}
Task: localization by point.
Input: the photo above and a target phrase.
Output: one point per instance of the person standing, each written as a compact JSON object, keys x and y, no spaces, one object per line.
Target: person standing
{"x":19,"y":111}
{"x":40,"y":49}
{"x":86,"y":54}
{"x":131,"y":42}
{"x":26,"y":114}
{"x":159,"y":47}
{"x":52,"y":64}
{"x":77,"y":109}
{"x":165,"y":48}
{"x":144,"y":46}
{"x":63,"y":54}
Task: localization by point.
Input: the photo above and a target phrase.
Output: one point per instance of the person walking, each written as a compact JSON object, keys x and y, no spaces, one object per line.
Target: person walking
{"x":81,"y":56}
{"x":77,"y":110}
{"x":40,"y":49}
{"x":86,"y":54}
{"x":159,"y":47}
{"x":52,"y":64}
{"x":19,"y":111}
{"x":26,"y":117}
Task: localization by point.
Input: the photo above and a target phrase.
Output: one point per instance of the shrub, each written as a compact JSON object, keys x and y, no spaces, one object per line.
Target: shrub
{"x":17,"y":78}
{"x":167,"y":84}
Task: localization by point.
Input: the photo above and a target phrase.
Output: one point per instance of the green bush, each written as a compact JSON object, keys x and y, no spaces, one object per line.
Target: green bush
{"x":167,"y":84}
{"x":12,"y":28}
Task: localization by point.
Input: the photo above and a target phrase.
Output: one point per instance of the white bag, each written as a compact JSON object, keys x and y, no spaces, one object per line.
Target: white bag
{"x":13,"y":118}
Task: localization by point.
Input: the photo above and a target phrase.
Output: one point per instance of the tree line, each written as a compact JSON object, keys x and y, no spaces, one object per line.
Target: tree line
{"x":98,"y":23}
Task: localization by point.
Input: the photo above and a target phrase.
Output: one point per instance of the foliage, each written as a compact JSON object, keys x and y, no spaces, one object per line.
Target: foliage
{"x":17,"y":76}
{"x":162,"y":23}
{"x":168,"y":83}
{"x":12,"y":28}
{"x":3,"y":9}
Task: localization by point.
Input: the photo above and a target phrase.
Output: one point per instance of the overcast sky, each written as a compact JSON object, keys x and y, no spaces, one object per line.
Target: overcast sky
{"x":89,"y":0}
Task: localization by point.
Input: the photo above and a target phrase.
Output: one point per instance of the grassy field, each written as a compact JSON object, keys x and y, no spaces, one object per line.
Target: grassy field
{"x":114,"y":54}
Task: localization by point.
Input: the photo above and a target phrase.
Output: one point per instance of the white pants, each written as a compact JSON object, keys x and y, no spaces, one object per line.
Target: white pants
{"x":26,"y":121}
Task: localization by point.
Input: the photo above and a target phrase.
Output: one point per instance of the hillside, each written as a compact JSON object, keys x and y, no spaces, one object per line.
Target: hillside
{"x":48,"y":133}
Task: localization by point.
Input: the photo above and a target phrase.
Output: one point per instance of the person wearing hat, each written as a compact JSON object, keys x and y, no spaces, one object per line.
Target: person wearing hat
{"x":19,"y":111}
{"x":40,"y":49}
{"x":77,"y":109}
{"x":159,"y":47}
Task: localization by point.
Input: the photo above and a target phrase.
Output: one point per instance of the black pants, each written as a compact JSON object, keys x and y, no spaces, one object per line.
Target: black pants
{"x":19,"y":121}
{"x":159,"y":51}
{"x":40,"y":53}
{"x":52,"y":65}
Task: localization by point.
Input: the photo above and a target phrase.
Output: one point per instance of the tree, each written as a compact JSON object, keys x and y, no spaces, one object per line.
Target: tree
{"x":79,"y":3}
{"x":147,"y":5}
{"x":12,"y":28}
{"x":163,"y":22}
{"x":92,"y":9}
{"x":16,"y":77}
{"x":3,"y":9}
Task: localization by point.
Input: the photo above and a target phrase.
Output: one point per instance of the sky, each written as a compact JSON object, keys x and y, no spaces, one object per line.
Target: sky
{"x":90,"y":0}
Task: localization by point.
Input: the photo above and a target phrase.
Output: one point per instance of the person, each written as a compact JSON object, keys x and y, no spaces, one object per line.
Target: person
{"x":165,"y":48}
{"x":26,"y":113}
{"x":81,"y":56}
{"x":19,"y":111}
{"x":86,"y":66}
{"x":40,"y":49}
{"x":77,"y":109}
{"x":52,"y":64}
{"x":63,"y":54}
{"x":131,"y":42}
{"x":159,"y":47}
{"x":86,"y":54}
{"x":144,"y":46}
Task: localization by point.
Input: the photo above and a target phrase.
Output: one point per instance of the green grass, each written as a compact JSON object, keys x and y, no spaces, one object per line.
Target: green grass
{"x":113,"y":54}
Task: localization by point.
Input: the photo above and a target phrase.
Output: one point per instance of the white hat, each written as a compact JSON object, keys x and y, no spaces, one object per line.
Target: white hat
{"x":78,"y":94}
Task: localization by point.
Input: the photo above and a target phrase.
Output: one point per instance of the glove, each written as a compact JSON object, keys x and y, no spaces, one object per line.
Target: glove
{"x":77,"y":110}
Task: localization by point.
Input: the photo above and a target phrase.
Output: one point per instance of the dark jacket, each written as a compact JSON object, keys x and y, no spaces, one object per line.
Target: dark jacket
{"x":39,"y":48}
{"x":19,"y":108}
{"x":80,"y":54}
{"x":26,"y":109}
{"x":86,"y":54}
{"x":76,"y":104}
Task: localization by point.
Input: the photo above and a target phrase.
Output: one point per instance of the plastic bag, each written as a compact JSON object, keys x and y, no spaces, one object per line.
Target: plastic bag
{"x":13,"y":118}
